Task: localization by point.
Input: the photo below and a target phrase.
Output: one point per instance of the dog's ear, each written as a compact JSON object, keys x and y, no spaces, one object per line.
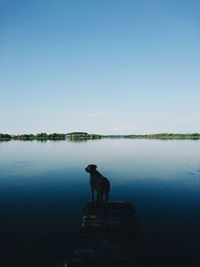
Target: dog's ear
{"x":93,"y":166}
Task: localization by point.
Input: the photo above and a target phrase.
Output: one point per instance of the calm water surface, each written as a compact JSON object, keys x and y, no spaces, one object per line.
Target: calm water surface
{"x":43,"y":189}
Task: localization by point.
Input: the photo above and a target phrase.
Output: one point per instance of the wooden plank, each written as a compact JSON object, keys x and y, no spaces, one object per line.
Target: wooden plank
{"x":109,"y":236}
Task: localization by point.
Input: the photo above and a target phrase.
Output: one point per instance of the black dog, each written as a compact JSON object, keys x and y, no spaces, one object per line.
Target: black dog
{"x":98,"y":183}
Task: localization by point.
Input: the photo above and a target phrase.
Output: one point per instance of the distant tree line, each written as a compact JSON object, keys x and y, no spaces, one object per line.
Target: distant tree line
{"x":39,"y":136}
{"x":45,"y":136}
{"x":5,"y":136}
{"x":158,"y":136}
{"x":75,"y":136}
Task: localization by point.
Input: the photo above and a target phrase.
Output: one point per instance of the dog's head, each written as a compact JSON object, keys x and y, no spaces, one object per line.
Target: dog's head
{"x":91,"y":168}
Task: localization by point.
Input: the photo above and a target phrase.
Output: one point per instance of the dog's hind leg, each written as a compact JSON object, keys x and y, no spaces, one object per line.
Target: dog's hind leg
{"x":99,"y":197}
{"x":106,"y":196}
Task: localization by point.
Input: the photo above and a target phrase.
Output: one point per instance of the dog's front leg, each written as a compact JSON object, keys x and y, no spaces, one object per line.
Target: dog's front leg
{"x":92,"y":194}
{"x":99,"y":198}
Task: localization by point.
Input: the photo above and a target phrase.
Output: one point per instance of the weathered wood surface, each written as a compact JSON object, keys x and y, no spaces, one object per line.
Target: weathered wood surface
{"x":109,"y":236}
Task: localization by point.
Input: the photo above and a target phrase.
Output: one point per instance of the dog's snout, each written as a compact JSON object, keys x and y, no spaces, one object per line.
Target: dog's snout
{"x":87,"y":169}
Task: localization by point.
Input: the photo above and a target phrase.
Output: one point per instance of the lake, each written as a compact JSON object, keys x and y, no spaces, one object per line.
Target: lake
{"x":44,"y":187}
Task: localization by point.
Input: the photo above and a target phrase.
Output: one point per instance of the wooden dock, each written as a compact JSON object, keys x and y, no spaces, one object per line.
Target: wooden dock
{"x":109,"y":236}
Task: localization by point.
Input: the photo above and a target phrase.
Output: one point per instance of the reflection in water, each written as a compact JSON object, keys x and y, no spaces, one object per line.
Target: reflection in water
{"x":81,"y":139}
{"x":77,"y":139}
{"x":41,"y":202}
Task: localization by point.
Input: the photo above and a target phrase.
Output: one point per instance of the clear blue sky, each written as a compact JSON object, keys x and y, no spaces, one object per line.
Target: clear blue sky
{"x":107,"y":66}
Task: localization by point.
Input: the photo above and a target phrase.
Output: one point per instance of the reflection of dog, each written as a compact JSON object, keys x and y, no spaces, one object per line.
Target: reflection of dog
{"x":98,"y":183}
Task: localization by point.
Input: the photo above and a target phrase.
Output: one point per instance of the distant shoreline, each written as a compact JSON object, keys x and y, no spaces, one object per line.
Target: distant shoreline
{"x":76,"y":136}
